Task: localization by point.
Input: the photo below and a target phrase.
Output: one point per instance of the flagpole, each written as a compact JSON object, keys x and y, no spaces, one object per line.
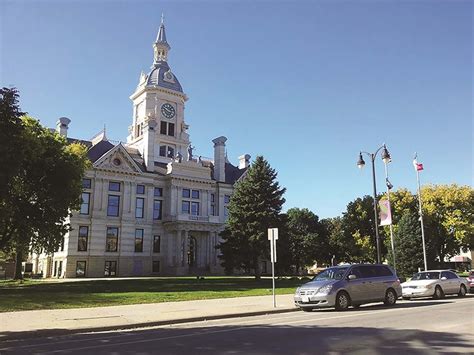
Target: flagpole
{"x":391,"y":221}
{"x":420,"y":212}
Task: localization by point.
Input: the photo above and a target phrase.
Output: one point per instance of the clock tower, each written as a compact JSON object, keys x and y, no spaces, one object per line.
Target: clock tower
{"x":158,"y":128}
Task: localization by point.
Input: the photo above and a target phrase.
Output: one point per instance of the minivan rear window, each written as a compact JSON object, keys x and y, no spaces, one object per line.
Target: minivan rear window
{"x":384,"y":271}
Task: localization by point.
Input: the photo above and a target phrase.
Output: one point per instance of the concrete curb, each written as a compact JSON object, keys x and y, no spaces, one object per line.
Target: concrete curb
{"x":57,"y":332}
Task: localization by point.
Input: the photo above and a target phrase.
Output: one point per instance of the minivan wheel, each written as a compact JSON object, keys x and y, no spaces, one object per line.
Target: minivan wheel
{"x":342,"y":301}
{"x":462,"y":291}
{"x":306,"y":309}
{"x":390,"y":297}
{"x":438,"y":293}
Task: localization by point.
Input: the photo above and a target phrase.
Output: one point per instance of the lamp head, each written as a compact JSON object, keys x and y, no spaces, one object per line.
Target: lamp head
{"x":386,"y":155}
{"x":361,"y":162}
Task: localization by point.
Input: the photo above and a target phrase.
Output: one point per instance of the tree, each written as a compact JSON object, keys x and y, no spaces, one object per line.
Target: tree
{"x":340,"y":244}
{"x":11,"y":130}
{"x":408,"y":245}
{"x":402,"y":201}
{"x":449,"y":213}
{"x":42,"y":192}
{"x":358,"y":222}
{"x":308,"y":242}
{"x":253,"y":208}
{"x":448,"y":216}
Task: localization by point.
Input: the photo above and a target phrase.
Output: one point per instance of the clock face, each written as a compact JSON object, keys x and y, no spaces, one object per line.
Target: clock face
{"x":167,"y":110}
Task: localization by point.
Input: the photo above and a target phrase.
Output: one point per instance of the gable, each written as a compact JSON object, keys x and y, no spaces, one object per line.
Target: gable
{"x":117,"y":159}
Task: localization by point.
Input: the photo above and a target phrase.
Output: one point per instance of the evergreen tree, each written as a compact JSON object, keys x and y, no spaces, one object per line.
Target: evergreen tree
{"x":254,"y":207}
{"x":408,"y":245}
{"x":11,"y":130}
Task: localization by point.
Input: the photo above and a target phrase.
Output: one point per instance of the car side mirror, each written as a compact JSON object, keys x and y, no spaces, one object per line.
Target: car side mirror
{"x":352,"y":277}
{"x":402,"y":279}
{"x":444,"y":278}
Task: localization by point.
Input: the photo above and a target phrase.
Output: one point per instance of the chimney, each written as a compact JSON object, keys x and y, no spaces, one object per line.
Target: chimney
{"x":244,"y":161}
{"x":219,"y":158}
{"x":62,"y":126}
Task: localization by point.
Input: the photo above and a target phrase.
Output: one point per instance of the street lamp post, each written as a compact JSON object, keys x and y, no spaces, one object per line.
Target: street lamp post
{"x":361,"y":164}
{"x":389,"y":187}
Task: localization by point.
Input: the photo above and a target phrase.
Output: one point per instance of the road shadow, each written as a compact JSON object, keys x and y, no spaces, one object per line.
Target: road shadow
{"x":255,"y":339}
{"x":400,"y":304}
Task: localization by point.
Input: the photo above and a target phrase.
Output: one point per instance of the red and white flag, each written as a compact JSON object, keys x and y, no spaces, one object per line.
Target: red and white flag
{"x":417,"y":166}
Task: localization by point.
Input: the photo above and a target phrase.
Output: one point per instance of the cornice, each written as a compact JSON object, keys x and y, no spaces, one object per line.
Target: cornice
{"x":156,"y":88}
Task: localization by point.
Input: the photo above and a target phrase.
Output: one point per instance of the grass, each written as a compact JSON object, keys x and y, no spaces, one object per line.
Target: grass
{"x":34,"y":295}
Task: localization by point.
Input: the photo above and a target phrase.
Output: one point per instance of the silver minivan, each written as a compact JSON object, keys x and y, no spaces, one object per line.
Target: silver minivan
{"x":349,"y":285}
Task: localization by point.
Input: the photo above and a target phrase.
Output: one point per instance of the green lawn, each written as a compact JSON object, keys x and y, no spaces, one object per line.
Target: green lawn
{"x":97,"y":293}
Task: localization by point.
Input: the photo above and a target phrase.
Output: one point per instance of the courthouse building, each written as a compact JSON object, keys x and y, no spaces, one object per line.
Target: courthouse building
{"x":149,"y":206}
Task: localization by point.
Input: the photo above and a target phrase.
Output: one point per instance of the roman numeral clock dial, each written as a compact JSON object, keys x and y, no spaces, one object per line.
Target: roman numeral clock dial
{"x":167,"y":110}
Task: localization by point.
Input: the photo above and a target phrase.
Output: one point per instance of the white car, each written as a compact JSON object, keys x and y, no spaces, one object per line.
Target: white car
{"x":434,"y":283}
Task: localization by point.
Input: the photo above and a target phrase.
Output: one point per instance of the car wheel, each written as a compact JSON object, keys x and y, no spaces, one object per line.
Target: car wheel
{"x":307,"y":309}
{"x":462,"y":291}
{"x":342,"y":301}
{"x":390,"y":298}
{"x":438,"y":293}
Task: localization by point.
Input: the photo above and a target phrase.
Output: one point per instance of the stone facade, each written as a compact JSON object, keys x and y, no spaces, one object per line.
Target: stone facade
{"x":150,"y":207}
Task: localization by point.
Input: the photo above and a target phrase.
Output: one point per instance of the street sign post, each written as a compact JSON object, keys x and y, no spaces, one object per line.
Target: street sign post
{"x":273,"y":237}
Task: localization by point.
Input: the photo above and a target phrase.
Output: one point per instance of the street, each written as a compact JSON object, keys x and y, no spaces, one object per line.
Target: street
{"x":411,"y":327}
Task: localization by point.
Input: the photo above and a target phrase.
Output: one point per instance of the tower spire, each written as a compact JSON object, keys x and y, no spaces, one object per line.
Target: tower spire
{"x":161,"y":46}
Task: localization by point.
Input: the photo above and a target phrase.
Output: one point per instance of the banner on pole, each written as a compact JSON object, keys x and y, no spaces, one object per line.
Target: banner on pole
{"x":385,"y":213}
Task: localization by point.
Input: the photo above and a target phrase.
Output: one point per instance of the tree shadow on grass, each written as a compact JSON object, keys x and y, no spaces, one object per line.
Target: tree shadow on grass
{"x":151,"y":285}
{"x":129,"y":291}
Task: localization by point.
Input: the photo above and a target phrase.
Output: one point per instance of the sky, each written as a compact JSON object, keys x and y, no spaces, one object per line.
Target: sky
{"x":306,"y":84}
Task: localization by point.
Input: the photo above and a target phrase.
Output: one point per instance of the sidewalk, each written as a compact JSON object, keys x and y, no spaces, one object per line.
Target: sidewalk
{"x":15,"y":325}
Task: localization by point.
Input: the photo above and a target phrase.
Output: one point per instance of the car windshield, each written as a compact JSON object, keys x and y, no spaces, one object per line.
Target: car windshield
{"x":426,"y":276}
{"x":335,"y":273}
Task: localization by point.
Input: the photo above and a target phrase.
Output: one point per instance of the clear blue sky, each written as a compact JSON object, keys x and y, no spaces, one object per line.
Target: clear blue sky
{"x":307,"y":84}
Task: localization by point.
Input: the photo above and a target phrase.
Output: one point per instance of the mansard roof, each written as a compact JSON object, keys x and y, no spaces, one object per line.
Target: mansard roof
{"x":98,"y":150}
{"x":95,"y":152}
{"x":233,"y":173}
{"x":160,"y":75}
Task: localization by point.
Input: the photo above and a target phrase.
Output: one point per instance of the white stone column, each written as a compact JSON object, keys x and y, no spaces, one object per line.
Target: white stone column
{"x":173,"y":201}
{"x":127,"y":199}
{"x":103,"y":202}
{"x":208,"y":247}
{"x":185,"y":247}
{"x":148,"y":205}
{"x":214,"y":244}
{"x":171,"y":238}
{"x":97,"y":195}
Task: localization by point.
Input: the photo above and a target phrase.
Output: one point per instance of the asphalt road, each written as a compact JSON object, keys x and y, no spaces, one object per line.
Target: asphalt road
{"x":411,"y":327}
